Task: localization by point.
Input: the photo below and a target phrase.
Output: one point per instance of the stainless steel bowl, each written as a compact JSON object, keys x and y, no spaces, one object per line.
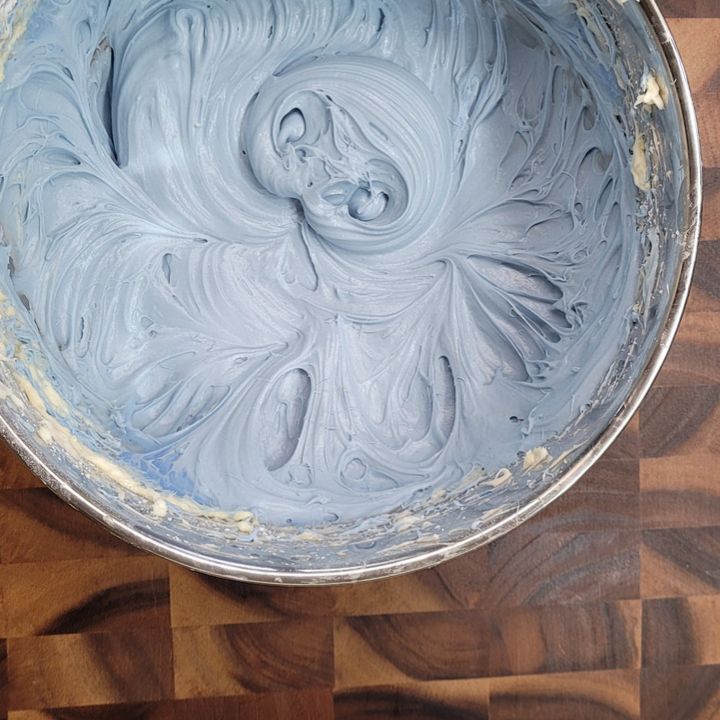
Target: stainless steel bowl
{"x":470,"y":517}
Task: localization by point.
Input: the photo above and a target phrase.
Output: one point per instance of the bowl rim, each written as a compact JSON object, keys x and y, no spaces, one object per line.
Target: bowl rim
{"x":429,"y":558}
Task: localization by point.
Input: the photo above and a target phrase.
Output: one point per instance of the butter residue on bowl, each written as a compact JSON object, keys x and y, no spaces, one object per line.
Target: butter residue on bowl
{"x":300,"y":264}
{"x":655,"y":92}
{"x":14,"y":17}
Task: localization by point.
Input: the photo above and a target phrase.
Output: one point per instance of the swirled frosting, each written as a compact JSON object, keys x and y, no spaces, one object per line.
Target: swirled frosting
{"x":317,"y":257}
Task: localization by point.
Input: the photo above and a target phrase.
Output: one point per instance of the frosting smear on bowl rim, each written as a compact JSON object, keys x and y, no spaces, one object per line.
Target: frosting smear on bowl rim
{"x":319,"y":260}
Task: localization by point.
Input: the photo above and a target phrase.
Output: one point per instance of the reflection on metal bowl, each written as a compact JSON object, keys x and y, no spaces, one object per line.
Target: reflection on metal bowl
{"x":530,"y":170}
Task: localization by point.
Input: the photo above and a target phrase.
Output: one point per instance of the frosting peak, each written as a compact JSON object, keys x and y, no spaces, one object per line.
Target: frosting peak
{"x":317,"y":258}
{"x":360,"y":142}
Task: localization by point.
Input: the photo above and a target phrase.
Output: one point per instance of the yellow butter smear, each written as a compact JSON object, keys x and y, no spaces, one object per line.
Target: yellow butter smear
{"x":14,"y":19}
{"x":655,"y":93}
{"x":639,"y":166}
{"x":38,"y":395}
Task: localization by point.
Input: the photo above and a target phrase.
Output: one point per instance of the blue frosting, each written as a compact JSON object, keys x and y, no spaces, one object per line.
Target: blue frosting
{"x":314,"y":257}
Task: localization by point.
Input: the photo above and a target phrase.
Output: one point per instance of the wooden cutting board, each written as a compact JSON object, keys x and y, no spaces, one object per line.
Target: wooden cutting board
{"x":605,"y":606}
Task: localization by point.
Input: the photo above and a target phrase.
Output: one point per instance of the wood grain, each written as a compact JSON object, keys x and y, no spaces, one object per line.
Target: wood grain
{"x":607,"y":499}
{"x":574,"y":696}
{"x":681,"y":631}
{"x":564,"y":568}
{"x":694,"y":359}
{"x":455,"y":585}
{"x":606,"y":606}
{"x":36,"y":526}
{"x":94,"y":668}
{"x":3,"y":679}
{"x":681,"y":421}
{"x":705,"y":292}
{"x":627,"y":446}
{"x":375,"y":650}
{"x":225,"y":602}
{"x":680,"y":492}
{"x":686,"y":693}
{"x":532,"y":641}
{"x":241,"y":659}
{"x":446,"y":699}
{"x":301,"y":705}
{"x":697,"y":37}
{"x":680,"y":562}
{"x":74,"y":597}
{"x":14,"y":472}
{"x":711,"y":206}
{"x":127,"y":711}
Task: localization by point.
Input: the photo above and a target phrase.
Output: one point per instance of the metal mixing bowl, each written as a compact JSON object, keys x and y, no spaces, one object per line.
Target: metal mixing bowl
{"x":470,"y":516}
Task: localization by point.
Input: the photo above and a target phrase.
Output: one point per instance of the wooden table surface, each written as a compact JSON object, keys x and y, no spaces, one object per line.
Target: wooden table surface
{"x":607,"y":605}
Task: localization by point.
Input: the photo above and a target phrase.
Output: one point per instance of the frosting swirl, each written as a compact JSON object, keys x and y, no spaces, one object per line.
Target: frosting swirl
{"x":316,"y":257}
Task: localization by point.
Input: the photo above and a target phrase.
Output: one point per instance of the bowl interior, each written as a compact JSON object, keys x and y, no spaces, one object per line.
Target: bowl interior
{"x":631,"y":39}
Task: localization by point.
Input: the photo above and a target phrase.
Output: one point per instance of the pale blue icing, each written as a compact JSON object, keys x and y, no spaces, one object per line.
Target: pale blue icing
{"x":315,"y":257}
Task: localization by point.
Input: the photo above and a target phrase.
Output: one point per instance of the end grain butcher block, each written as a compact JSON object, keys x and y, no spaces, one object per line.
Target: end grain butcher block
{"x":607,"y":605}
